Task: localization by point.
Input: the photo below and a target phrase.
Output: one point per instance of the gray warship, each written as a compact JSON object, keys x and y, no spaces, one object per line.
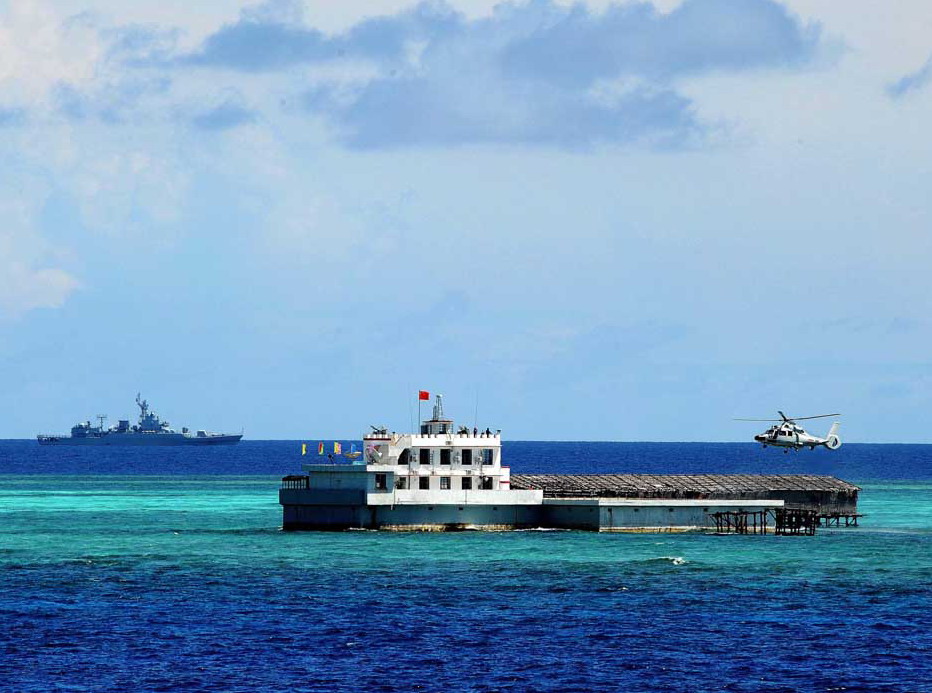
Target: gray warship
{"x":151,"y":430}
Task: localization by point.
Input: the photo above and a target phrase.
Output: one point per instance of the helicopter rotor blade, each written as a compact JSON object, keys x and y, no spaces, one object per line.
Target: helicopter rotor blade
{"x":755,"y":419}
{"x":820,"y":416}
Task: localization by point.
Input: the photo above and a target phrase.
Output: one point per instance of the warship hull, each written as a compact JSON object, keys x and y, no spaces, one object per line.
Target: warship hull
{"x":141,"y":439}
{"x":151,"y":431}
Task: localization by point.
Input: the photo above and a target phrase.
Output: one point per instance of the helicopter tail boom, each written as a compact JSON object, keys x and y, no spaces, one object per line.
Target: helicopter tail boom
{"x":832,"y":441}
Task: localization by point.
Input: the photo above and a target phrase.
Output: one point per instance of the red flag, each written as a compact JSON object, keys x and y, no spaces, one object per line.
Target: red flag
{"x":423,"y":394}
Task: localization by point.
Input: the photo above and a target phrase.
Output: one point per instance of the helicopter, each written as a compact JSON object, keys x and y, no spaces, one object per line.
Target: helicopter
{"x":787,"y":434}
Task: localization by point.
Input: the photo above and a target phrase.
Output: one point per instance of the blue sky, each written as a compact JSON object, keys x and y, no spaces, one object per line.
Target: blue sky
{"x":616,"y":221}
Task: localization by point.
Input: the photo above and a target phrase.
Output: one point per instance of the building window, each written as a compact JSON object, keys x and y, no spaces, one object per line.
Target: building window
{"x":467,"y":483}
{"x":445,"y":456}
{"x":444,"y":483}
{"x":424,"y":455}
{"x":487,"y":456}
{"x":381,"y":482}
{"x":405,"y":456}
{"x":485,"y":483}
{"x":467,"y":456}
{"x":401,"y":483}
{"x":423,"y":483}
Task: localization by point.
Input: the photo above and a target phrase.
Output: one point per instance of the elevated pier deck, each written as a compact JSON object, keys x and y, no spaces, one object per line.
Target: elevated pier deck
{"x":806,"y":500}
{"x":825,"y":494}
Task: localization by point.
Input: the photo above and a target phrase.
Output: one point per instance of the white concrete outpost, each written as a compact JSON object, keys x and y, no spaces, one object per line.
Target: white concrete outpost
{"x":449,"y":478}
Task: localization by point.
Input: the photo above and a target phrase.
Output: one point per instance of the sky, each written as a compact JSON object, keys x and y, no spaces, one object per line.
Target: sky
{"x":626,"y":220}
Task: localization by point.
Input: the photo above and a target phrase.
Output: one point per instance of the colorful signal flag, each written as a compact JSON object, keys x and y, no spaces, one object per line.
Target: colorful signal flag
{"x":303,"y":448}
{"x":337,"y":449}
{"x":423,"y":394}
{"x":320,"y":448}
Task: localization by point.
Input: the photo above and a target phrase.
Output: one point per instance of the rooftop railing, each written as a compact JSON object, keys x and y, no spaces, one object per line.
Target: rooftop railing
{"x":492,"y":435}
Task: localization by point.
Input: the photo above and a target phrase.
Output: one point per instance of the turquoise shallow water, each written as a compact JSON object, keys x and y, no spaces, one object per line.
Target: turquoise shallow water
{"x":114,"y":582}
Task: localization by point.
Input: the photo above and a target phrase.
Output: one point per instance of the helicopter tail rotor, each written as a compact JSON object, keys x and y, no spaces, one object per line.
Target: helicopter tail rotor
{"x":832,"y":441}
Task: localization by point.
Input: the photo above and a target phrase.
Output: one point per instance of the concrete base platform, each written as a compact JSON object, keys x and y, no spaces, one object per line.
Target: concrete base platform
{"x":642,"y":515}
{"x":591,"y":514}
{"x":437,"y":517}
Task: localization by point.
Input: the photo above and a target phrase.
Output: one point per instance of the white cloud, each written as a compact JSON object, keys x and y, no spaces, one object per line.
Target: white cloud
{"x":40,"y":47}
{"x":115,"y":177}
{"x":24,"y":288}
{"x":29,"y":278}
{"x":197,"y":19}
{"x":520,"y":76}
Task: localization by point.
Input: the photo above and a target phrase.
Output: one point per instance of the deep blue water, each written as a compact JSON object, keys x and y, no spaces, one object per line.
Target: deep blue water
{"x":852,"y":462}
{"x":164,"y":569}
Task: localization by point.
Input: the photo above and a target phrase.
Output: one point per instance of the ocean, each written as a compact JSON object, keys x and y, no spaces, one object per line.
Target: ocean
{"x":164,"y":569}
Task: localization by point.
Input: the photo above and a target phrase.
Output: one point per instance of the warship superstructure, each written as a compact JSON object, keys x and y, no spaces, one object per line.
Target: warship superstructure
{"x":151,"y":430}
